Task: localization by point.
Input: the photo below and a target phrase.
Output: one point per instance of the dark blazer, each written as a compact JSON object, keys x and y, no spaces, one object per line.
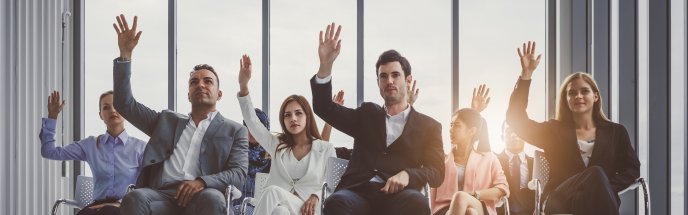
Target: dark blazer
{"x":523,"y":197}
{"x":224,"y":148}
{"x":418,"y":150}
{"x":613,"y":151}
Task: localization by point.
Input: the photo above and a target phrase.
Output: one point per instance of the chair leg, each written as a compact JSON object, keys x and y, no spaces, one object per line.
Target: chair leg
{"x":56,"y":206}
{"x":646,"y":194}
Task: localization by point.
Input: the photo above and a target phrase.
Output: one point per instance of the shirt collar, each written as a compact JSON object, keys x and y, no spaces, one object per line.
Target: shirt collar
{"x":403,"y":114}
{"x":210,"y":116}
{"x":123,"y":137}
{"x":521,"y":155}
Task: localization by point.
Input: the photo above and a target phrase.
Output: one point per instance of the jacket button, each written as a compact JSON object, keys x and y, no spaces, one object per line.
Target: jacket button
{"x":152,"y":161}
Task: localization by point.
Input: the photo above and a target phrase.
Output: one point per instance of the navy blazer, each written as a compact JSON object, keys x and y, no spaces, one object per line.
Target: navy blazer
{"x":613,"y":151}
{"x":418,"y":150}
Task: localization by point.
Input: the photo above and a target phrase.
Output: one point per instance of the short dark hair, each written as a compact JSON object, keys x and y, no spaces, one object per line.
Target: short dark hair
{"x":206,"y":67}
{"x":392,"y":56}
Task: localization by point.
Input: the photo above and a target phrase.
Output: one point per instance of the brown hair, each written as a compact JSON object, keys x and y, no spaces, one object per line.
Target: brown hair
{"x":564,"y":113}
{"x":106,"y":93}
{"x":392,"y":56}
{"x":286,"y":138}
{"x":473,"y":119}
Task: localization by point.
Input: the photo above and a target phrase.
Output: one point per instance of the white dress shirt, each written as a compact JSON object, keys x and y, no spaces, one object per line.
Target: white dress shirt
{"x":523,"y":181}
{"x":394,"y":124}
{"x":184,"y":164}
{"x":586,"y":148}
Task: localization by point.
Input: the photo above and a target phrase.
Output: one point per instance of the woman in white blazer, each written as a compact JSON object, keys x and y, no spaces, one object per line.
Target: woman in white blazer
{"x":298,"y":155}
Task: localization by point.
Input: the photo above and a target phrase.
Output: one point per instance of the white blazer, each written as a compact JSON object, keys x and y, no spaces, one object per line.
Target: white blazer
{"x":309,"y":184}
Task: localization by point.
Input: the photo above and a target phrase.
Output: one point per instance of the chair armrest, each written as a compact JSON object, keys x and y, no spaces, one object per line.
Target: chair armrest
{"x":232,"y":193}
{"x":247,"y":201}
{"x":57,"y":204}
{"x":505,"y":203}
{"x":323,"y":197}
{"x":130,"y":188}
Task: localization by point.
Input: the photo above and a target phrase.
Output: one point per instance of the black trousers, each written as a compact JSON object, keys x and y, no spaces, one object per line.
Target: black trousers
{"x":587,"y":192}
{"x":368,"y":199}
{"x":106,"y":210}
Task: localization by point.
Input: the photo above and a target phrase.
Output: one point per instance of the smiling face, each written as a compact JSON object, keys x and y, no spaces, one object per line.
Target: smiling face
{"x":107,"y":112}
{"x":580,"y":97}
{"x":203,"y":88}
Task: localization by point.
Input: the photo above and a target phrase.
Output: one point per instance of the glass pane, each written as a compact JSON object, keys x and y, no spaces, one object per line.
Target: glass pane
{"x":218,"y":33}
{"x":294,"y":30}
{"x":489,"y":33}
{"x":149,"y":65}
{"x":421,"y":32}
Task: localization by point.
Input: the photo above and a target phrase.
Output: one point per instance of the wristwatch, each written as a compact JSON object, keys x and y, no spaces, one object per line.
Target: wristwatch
{"x":476,"y":195}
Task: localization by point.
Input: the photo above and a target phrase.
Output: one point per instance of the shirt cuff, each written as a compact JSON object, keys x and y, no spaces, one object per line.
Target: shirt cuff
{"x":324,"y":80}
{"x":49,"y":123}
{"x":122,"y":60}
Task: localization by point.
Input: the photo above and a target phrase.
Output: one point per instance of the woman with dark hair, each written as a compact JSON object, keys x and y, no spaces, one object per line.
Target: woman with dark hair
{"x":114,"y":157}
{"x":590,"y":157}
{"x":474,"y":181}
{"x":298,"y":155}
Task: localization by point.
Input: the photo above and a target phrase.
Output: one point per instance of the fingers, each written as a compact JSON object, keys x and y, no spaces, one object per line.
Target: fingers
{"x":331,"y":33}
{"x":339,"y":30}
{"x":124,"y":20}
{"x":321,"y":38}
{"x":474,"y":92}
{"x":385,"y":189}
{"x":525,"y":51}
{"x":519,"y":52}
{"x":119,"y":22}
{"x":133,"y":27}
{"x":138,"y":35}
{"x":532,"y":50}
{"x":339,"y":45}
{"x":116,"y":29}
{"x":538,"y":58}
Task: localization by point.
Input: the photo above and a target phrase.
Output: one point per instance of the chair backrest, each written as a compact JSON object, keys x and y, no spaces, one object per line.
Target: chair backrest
{"x":541,"y":168}
{"x":333,"y":172}
{"x":261,"y":181}
{"x":84,"y":191}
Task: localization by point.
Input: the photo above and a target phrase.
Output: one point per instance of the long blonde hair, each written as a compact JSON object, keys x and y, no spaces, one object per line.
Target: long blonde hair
{"x":564,"y":113}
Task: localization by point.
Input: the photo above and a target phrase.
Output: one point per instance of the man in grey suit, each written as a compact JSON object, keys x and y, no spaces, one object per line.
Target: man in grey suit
{"x":189,"y":160}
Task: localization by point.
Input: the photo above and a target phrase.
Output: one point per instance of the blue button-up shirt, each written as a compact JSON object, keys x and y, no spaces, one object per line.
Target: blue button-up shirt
{"x":114,"y":161}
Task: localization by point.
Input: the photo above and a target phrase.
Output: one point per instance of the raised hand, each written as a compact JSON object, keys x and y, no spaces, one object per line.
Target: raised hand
{"x":245,"y":70}
{"x":126,"y":38}
{"x":54,"y":104}
{"x":328,"y":50}
{"x":481,"y":98}
{"x":528,"y":61}
{"x":412,"y":92}
{"x":327,"y":129}
{"x":339,"y":98}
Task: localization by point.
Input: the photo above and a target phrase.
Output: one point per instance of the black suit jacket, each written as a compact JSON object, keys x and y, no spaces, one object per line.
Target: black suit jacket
{"x":613,"y":151}
{"x":524,"y":197}
{"x":418,"y":150}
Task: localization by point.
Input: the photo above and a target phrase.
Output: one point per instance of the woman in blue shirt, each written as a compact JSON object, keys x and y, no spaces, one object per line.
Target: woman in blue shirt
{"x":114,"y":157}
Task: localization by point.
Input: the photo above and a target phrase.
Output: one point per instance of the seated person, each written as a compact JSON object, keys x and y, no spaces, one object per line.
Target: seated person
{"x":474,"y":181}
{"x":590,"y":157}
{"x":397,"y":150}
{"x":298,"y":155}
{"x":518,"y":168}
{"x":114,"y":153}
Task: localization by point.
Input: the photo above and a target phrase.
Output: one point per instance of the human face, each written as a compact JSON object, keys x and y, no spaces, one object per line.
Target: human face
{"x":392,"y":83}
{"x":580,"y":97}
{"x":294,"y":118}
{"x":203,"y":89}
{"x":514,"y":144}
{"x":459,"y":133}
{"x":108,"y":114}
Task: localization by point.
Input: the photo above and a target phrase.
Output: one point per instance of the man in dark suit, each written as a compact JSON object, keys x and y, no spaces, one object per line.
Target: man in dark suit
{"x":396,"y":150}
{"x":189,"y":160}
{"x":518,"y":168}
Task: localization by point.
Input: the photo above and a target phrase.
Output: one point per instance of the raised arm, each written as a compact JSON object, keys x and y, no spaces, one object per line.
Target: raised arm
{"x":138,"y":114}
{"x":412,"y":92}
{"x":262,"y":135}
{"x":327,"y":129}
{"x":340,"y":117}
{"x":516,"y":115}
{"x":73,"y":151}
{"x":481,"y":98}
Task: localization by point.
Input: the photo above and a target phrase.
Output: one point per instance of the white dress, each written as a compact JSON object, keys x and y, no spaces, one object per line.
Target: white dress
{"x":291,"y":182}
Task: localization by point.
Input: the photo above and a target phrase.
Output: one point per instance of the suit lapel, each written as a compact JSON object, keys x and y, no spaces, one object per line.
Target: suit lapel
{"x":603,"y":140}
{"x":570,"y":143}
{"x":382,"y":129}
{"x":409,"y":121}
{"x":207,"y":138}
{"x":181,"y":124}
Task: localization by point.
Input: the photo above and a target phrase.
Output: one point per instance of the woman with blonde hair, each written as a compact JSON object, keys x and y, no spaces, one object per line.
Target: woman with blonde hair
{"x":591,"y":158}
{"x":298,"y":154}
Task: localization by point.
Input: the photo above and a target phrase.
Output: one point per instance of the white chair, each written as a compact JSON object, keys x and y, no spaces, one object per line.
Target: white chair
{"x":333,"y":174}
{"x":83,"y":194}
{"x":261,"y":181}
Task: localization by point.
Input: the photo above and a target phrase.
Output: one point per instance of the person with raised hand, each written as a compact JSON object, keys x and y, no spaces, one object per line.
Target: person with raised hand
{"x":590,"y":157}
{"x":397,"y":150}
{"x":113,"y":153}
{"x":299,"y":156}
{"x":474,"y":181}
{"x":190,"y":159}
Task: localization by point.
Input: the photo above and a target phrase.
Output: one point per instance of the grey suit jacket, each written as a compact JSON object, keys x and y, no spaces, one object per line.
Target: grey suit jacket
{"x":224,"y":148}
